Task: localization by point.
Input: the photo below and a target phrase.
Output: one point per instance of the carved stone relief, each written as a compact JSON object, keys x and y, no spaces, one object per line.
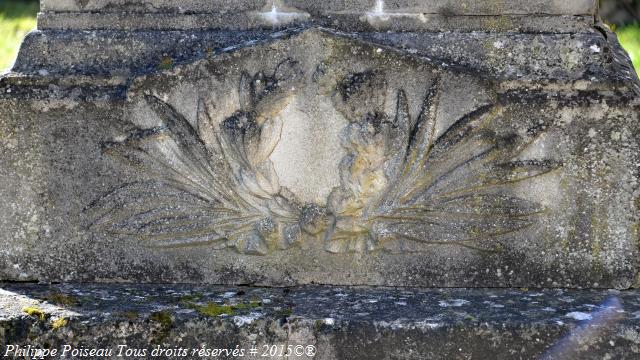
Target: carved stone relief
{"x":382,"y":181}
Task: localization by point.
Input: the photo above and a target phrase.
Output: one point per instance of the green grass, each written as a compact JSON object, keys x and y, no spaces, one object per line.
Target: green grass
{"x":17,"y":18}
{"x":629,"y":37}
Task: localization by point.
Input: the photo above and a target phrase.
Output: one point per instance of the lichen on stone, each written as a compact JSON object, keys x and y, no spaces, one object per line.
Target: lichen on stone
{"x":35,"y":311}
{"x":59,"y":323}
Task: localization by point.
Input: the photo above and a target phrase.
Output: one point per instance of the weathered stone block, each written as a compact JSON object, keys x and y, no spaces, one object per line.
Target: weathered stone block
{"x":298,"y":153}
{"x":322,"y":323}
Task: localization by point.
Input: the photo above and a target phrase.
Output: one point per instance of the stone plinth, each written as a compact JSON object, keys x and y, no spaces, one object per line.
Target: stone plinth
{"x":358,"y":15}
{"x":328,"y":323}
{"x":404,"y":143}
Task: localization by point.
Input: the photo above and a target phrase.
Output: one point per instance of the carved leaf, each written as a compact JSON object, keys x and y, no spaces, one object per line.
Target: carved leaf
{"x":453,"y":190}
{"x":194,"y":195}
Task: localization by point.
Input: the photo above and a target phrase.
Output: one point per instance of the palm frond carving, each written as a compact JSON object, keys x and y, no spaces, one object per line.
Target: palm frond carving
{"x":403,"y":189}
{"x":213,"y":183}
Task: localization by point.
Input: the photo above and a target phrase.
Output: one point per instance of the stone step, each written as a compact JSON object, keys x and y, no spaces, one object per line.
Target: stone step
{"x":318,"y":322}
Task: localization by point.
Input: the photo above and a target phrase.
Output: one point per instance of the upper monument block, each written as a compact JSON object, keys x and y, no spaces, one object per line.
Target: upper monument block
{"x":448,"y":7}
{"x":433,"y":143}
{"x":353,"y":15}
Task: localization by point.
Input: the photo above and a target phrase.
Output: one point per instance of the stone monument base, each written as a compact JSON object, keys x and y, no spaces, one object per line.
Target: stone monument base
{"x":300,"y":156}
{"x":191,"y":322}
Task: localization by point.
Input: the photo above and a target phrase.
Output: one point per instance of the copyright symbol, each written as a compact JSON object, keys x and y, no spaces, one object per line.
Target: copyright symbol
{"x":298,"y":350}
{"x":310,"y":350}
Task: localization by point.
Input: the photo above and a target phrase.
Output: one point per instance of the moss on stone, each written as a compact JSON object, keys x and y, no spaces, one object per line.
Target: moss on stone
{"x":470,"y":317}
{"x":162,"y":317}
{"x":166,"y":63}
{"x":166,"y":323}
{"x":191,"y":297}
{"x":254,"y":303}
{"x":213,"y":309}
{"x":61,"y":299}
{"x":129,"y":315}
